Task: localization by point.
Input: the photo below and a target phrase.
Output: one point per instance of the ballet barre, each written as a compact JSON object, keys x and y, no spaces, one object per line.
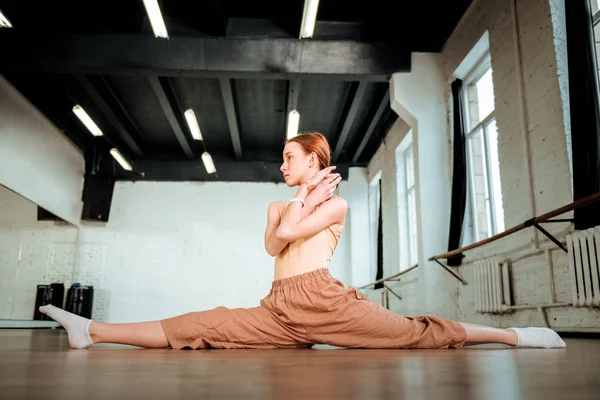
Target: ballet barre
{"x":535,"y":221}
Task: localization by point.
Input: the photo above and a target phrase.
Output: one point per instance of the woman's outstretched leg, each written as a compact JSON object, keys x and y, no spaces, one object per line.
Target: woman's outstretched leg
{"x":142,"y":334}
{"x":523,"y":337}
{"x":479,"y":334}
{"x":221,"y":327}
{"x":358,"y":322}
{"x":84,"y":332}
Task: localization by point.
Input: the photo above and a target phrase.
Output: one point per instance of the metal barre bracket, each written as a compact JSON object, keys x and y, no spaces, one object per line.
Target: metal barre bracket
{"x":394,"y":293}
{"x":451,"y":272}
{"x":551,"y":237}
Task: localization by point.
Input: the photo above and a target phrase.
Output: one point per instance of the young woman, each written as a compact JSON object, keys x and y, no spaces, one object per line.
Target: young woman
{"x":306,"y":305}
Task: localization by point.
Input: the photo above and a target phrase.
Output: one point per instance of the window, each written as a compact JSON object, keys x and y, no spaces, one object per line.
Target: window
{"x":374,"y":204}
{"x":595,"y":8}
{"x":407,"y":206}
{"x":482,"y":151}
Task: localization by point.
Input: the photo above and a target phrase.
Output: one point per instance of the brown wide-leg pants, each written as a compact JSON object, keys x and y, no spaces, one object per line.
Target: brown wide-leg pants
{"x":307,"y":309}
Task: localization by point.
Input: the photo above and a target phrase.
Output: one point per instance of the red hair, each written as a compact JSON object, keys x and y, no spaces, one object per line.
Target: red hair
{"x":317,"y":143}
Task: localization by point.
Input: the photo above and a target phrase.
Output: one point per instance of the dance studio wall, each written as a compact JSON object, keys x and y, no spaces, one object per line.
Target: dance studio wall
{"x":540,"y":126}
{"x":418,"y":98}
{"x":36,"y":160}
{"x":172,"y":248}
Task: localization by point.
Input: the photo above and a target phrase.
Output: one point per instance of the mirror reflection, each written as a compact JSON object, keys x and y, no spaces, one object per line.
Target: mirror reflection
{"x":38,"y":253}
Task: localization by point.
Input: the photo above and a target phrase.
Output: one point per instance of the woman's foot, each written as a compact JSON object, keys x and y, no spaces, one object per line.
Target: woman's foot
{"x":538,"y":337}
{"x":77,"y":327}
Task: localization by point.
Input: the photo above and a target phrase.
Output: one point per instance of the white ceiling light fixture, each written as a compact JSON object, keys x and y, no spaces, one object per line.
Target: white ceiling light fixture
{"x":4,"y":22}
{"x":86,"y":120}
{"x":293,"y":124}
{"x":309,"y":18}
{"x":192,"y":122}
{"x":208,"y":163}
{"x":156,"y":19}
{"x":120,"y":159}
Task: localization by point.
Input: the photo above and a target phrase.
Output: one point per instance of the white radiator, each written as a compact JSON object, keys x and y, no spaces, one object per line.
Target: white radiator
{"x":584,"y":265}
{"x":492,"y":286}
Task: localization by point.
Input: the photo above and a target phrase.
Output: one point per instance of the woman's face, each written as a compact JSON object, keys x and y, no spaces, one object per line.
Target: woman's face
{"x":297,"y":166}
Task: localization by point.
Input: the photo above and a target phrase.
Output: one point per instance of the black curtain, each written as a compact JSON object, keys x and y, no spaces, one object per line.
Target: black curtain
{"x":585,"y":110}
{"x":380,"y":242}
{"x":459,"y":176}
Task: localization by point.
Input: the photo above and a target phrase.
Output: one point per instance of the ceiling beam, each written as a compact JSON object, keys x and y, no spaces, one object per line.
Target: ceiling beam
{"x":350,"y":118}
{"x":385,"y":103}
{"x":115,"y":99}
{"x":142,"y":54}
{"x":231,"y":114}
{"x":227,"y":171}
{"x":75,"y":93}
{"x":171,"y":109}
{"x":293,"y":94}
{"x":99,"y":101}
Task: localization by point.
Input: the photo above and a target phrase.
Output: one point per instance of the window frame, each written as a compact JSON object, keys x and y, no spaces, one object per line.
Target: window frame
{"x":407,"y":192}
{"x":374,"y":204}
{"x":402,"y":203}
{"x":479,"y":69}
{"x":596,"y":15}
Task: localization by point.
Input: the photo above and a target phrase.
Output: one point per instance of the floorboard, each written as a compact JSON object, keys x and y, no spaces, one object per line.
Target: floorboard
{"x":38,"y":364}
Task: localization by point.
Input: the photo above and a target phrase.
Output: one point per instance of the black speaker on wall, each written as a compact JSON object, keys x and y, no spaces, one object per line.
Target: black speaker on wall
{"x":97,"y":197}
{"x":48,"y":294}
{"x":80,"y":300}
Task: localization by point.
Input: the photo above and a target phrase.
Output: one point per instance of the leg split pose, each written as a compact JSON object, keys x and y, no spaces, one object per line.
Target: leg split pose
{"x":306,"y":305}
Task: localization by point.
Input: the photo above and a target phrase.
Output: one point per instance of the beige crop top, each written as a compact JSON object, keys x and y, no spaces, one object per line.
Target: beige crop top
{"x":309,"y":253}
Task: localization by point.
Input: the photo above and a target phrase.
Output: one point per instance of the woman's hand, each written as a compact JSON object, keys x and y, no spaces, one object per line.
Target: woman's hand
{"x":318,"y":178}
{"x":324,"y":190}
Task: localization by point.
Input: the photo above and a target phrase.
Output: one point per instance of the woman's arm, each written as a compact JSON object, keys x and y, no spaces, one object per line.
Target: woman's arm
{"x":322,"y":189}
{"x":293,"y":226}
{"x":273,"y":245}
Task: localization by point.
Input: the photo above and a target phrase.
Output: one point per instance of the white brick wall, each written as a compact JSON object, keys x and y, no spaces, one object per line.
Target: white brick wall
{"x":542,"y":41}
{"x":31,"y":253}
{"x":356,"y":228}
{"x":418,"y":98}
{"x":546,"y":113}
{"x":171,"y":248}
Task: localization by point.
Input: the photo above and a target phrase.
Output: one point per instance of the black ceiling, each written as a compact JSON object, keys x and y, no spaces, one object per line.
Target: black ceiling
{"x":238,"y":64}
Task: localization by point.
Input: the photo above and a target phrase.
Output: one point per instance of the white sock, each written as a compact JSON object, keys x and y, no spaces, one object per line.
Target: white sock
{"x":538,"y":337}
{"x":77,"y":327}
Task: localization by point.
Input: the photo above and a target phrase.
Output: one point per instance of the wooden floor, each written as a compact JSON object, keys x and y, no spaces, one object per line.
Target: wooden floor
{"x":38,"y":364}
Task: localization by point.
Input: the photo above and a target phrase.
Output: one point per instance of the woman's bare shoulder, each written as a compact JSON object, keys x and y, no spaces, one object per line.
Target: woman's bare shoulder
{"x":277,"y":206}
{"x":337,"y":203}
{"x":340,"y":200}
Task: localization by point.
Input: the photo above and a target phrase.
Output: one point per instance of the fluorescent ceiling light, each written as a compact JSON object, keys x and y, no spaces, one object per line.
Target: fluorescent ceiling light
{"x":293,"y":124}
{"x":4,"y":22}
{"x":309,"y":18}
{"x":120,"y":159}
{"x":156,"y":19}
{"x":208,"y":163}
{"x":86,"y":120}
{"x":192,"y":122}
